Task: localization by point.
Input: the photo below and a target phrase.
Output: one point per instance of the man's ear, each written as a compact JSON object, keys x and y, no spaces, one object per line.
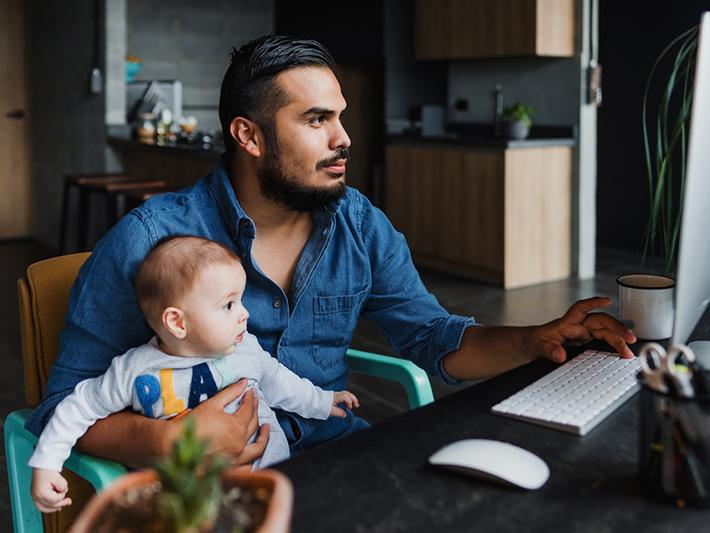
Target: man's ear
{"x":174,"y":321}
{"x":247,"y":135}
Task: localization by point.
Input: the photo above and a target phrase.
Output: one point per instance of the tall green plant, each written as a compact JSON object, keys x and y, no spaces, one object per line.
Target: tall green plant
{"x":670,"y":143}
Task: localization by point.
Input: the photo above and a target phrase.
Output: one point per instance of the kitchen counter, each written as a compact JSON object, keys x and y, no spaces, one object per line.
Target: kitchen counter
{"x":481,"y":136}
{"x":178,"y":164}
{"x":120,"y":137}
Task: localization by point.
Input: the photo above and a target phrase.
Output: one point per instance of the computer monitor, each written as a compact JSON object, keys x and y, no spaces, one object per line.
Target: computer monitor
{"x":693,"y":274}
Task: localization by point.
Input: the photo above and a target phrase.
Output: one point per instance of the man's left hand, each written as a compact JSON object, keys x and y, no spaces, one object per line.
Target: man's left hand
{"x":580,"y":325}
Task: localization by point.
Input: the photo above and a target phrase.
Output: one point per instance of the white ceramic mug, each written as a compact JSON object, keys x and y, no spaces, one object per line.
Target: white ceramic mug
{"x":646,"y":304}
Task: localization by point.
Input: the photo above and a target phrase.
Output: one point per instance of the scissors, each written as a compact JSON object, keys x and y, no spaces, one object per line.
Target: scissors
{"x":674,"y":367}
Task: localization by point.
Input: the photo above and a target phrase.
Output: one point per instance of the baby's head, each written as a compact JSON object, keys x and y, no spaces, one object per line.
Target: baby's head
{"x":190,"y":291}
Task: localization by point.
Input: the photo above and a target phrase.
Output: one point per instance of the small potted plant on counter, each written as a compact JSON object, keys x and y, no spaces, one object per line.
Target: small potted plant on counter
{"x":517,"y":120}
{"x":191,"y":492}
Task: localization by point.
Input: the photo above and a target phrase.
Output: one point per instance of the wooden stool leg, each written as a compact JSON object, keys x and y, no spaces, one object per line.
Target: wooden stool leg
{"x":112,"y":210}
{"x":83,"y":229}
{"x":64,"y":219}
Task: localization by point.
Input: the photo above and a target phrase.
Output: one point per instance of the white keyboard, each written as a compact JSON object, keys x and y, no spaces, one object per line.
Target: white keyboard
{"x":576,"y":396}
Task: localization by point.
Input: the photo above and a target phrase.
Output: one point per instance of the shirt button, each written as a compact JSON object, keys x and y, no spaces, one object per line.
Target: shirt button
{"x":243,"y":254}
{"x":442,"y":348}
{"x":277,"y":302}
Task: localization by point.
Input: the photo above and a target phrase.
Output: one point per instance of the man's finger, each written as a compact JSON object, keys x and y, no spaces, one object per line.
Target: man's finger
{"x":604,"y":321}
{"x":228,"y":394}
{"x":247,"y":414}
{"x":614,"y":341}
{"x":553,"y":351}
{"x":256,"y":449}
{"x":575,"y":332}
{"x":580,"y":309}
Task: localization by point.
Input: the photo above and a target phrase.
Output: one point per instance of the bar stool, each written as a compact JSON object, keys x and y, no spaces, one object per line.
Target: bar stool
{"x":111,"y":185}
{"x":136,"y":197}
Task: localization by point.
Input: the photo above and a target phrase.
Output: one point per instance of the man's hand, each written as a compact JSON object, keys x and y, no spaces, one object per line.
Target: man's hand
{"x":49,"y":490}
{"x":227,"y":433}
{"x":580,"y":325}
{"x":346,"y":397}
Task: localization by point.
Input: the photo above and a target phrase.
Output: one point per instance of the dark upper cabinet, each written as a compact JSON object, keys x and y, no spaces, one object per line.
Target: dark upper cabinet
{"x":460,"y":29}
{"x":350,"y":30}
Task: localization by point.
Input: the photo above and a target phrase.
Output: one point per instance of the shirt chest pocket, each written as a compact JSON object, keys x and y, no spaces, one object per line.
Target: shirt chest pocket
{"x":334,"y":320}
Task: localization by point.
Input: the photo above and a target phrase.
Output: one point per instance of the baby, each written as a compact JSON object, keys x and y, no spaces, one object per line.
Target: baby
{"x":190,"y":292}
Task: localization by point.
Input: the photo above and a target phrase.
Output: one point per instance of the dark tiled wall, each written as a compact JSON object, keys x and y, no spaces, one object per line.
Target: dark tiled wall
{"x":67,"y":122}
{"x":190,"y":41}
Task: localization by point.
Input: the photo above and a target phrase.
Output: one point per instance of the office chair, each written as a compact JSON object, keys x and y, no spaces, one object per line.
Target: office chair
{"x":43,"y":297}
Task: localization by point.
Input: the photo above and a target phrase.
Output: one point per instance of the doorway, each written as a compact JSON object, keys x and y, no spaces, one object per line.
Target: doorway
{"x":14,"y":123}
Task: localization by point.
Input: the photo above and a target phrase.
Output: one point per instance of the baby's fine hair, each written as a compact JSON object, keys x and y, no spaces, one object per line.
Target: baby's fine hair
{"x":169,"y":271}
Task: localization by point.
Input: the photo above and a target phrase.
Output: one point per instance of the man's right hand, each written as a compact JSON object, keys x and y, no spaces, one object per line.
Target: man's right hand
{"x":228,"y":434}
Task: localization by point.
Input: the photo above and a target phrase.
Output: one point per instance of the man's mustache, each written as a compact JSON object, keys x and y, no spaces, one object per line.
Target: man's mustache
{"x":342,"y":153}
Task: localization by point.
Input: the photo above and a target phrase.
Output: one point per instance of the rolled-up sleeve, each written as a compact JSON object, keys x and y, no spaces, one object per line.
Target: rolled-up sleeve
{"x":411,"y":318}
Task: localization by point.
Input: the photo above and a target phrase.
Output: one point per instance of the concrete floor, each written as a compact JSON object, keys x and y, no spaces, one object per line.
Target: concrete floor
{"x":379,"y":399}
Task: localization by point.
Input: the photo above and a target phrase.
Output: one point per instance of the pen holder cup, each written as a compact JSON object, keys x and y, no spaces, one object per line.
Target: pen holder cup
{"x":674,"y":462}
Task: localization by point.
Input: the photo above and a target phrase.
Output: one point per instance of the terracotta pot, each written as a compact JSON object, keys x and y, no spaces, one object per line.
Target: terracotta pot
{"x":278,"y":514}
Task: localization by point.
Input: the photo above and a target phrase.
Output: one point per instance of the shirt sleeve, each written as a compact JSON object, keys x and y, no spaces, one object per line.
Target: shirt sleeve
{"x":103,"y":318}
{"x":283,"y":389}
{"x":92,"y":400}
{"x":410,"y":317}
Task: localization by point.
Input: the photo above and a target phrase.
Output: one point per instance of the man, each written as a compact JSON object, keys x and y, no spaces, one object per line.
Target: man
{"x":317,"y":256}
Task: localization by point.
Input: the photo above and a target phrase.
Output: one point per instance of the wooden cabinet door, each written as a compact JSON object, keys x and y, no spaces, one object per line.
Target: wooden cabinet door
{"x":458,"y":29}
{"x":500,"y":216}
{"x":449,"y":205}
{"x":14,"y":123}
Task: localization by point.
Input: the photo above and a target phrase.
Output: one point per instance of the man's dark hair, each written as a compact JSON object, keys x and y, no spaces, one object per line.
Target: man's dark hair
{"x":249,"y":89}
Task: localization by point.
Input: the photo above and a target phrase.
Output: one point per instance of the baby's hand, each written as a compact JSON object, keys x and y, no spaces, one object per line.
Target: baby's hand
{"x":49,"y":490}
{"x":346,"y":397}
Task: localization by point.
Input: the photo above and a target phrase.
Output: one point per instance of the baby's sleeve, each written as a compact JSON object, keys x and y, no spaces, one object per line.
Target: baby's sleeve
{"x":92,"y":400}
{"x":283,"y":389}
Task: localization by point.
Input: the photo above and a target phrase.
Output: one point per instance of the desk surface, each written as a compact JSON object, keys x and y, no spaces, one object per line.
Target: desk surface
{"x":379,"y":479}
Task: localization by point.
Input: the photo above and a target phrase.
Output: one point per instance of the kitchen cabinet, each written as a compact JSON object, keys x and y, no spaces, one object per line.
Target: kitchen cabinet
{"x":495,"y":215}
{"x":460,"y":29}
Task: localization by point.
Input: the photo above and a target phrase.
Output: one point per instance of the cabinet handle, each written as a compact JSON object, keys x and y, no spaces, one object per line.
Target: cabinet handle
{"x":17,"y":114}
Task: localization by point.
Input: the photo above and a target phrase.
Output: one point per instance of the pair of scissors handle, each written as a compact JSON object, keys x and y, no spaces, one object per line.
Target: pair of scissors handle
{"x":654,"y":358}
{"x":658,"y":366}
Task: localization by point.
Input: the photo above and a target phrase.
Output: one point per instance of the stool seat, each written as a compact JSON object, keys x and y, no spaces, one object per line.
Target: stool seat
{"x":85,"y":179}
{"x":113,"y":186}
{"x":141,"y":195}
{"x":125,"y":186}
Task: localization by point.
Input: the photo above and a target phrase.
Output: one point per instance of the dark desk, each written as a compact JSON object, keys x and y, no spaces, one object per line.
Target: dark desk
{"x":379,"y":479}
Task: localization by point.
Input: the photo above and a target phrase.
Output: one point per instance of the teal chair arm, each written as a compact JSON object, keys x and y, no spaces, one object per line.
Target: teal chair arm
{"x":414,"y":380}
{"x":19,"y":446}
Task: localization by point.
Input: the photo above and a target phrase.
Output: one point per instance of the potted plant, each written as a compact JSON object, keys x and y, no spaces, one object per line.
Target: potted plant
{"x":191,"y":492}
{"x":517,"y":120}
{"x":665,"y":144}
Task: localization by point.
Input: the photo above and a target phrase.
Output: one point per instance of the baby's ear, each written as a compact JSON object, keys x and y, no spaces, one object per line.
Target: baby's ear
{"x":174,"y":321}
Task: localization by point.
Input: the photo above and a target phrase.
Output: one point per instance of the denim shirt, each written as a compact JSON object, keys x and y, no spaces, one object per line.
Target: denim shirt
{"x":354,"y":264}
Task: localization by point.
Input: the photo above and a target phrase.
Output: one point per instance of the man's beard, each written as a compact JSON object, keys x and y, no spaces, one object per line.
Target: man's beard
{"x":287,"y":191}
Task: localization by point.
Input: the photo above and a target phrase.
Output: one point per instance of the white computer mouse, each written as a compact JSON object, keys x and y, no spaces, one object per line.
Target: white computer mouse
{"x":494,"y":460}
